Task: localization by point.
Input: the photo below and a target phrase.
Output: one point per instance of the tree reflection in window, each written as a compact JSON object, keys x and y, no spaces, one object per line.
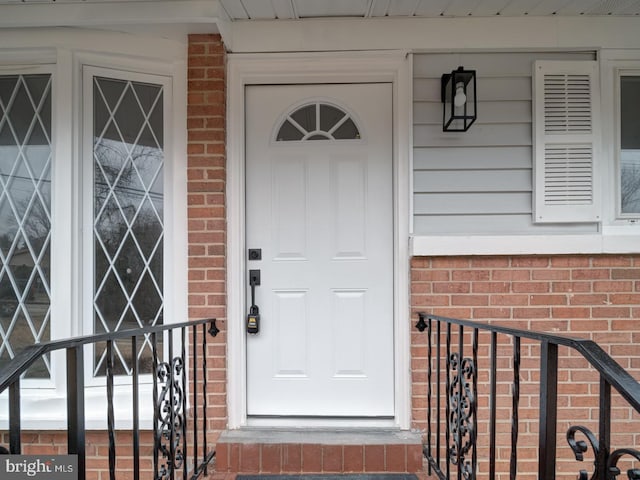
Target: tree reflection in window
{"x":25,"y":216}
{"x":128,"y":226}
{"x":630,"y":145}
{"x":317,"y":121}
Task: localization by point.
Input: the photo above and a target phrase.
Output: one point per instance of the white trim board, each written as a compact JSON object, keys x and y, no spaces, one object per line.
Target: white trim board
{"x":434,"y":34}
{"x":243,"y":70}
{"x":524,"y":245}
{"x":161,"y":17}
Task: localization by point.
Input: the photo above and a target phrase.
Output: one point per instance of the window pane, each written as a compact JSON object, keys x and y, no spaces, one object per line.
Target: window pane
{"x":630,"y":144}
{"x":347,"y":131}
{"x":306,"y":117}
{"x":329,"y":116}
{"x":25,"y":216}
{"x":288,"y":133}
{"x":128,"y":160}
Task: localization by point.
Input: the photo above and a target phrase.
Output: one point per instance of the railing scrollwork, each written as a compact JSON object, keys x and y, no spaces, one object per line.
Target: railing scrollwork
{"x":612,"y":464}
{"x":462,"y":406}
{"x":580,"y":447}
{"x":169,"y":431}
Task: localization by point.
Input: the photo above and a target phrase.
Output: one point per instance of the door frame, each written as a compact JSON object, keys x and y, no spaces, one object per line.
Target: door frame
{"x":343,"y":67}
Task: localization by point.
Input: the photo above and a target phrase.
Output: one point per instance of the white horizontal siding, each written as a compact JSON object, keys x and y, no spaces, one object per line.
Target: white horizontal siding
{"x":492,"y":89}
{"x":476,"y":203}
{"x":478,"y":182}
{"x":472,"y":157}
{"x":488,"y":181}
{"x":488,"y":224}
{"x":506,"y":134}
{"x":513,"y":111}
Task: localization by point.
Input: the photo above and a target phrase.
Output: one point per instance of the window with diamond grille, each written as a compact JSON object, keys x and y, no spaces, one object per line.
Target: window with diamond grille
{"x":128,"y":229}
{"x":25,"y":216}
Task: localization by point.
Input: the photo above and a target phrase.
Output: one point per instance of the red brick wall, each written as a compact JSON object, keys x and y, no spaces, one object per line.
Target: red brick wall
{"x":97,"y":450}
{"x":594,"y":297}
{"x":206,"y":208}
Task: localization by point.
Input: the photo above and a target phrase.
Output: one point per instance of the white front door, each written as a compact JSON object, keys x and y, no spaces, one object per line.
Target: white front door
{"x":319,"y":206}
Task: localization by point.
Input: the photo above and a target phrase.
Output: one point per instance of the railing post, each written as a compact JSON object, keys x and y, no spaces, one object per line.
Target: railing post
{"x":194,"y":331}
{"x":602,"y":455}
{"x":474,"y":405}
{"x":15,"y":444}
{"x":110,"y":414}
{"x":75,"y":407}
{"x":492,"y":405}
{"x":156,"y":407}
{"x":448,"y":405}
{"x":515,"y":402}
{"x":548,"y":410}
{"x":205,"y":422}
{"x":171,"y":461}
{"x":429,"y":370}
{"x":135,"y":380}
{"x":185,"y":451}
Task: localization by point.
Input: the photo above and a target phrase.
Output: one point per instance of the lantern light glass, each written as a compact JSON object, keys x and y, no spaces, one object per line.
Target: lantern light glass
{"x":459,"y":100}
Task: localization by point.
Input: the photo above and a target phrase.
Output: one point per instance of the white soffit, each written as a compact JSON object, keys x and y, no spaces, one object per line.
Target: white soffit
{"x":299,"y":9}
{"x":202,"y":10}
{"x":136,"y":16}
{"x":321,"y":25}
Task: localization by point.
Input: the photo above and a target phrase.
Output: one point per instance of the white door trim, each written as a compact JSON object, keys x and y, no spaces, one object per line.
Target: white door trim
{"x":352,"y":67}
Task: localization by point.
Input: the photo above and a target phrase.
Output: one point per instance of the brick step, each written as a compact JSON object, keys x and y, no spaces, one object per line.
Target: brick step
{"x":329,"y":476}
{"x":298,"y":451}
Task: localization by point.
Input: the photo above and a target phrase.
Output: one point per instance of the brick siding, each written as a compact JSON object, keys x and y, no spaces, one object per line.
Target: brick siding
{"x":594,"y":297}
{"x":97,"y":450}
{"x":206,"y":175}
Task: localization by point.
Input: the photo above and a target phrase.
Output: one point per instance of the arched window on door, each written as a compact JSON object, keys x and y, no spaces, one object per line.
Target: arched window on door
{"x":317,"y":121}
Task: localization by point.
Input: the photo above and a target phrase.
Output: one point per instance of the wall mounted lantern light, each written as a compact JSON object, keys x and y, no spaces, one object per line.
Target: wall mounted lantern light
{"x":459,"y":100}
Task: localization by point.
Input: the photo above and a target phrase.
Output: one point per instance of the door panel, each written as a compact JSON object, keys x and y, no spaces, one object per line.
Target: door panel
{"x":289,"y":315}
{"x":321,"y":211}
{"x":349,"y":183}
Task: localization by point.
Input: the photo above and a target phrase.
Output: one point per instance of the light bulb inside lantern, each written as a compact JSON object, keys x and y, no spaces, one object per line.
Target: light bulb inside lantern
{"x":460,"y":99}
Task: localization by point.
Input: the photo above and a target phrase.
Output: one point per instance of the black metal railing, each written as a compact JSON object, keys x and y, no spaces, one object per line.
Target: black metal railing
{"x":475,"y":376}
{"x":178,"y":397}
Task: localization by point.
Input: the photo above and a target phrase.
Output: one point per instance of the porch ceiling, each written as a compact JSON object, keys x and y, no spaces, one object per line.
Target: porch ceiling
{"x":298,"y":9}
{"x":252,"y":26}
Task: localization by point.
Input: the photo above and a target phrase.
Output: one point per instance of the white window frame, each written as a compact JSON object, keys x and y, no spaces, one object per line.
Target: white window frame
{"x":57,"y":330}
{"x":628,"y":218}
{"x":622,"y":233}
{"x":86,"y":164}
{"x":44,"y":401}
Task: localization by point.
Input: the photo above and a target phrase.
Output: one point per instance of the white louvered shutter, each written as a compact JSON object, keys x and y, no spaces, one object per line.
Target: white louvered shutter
{"x":565,"y":145}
